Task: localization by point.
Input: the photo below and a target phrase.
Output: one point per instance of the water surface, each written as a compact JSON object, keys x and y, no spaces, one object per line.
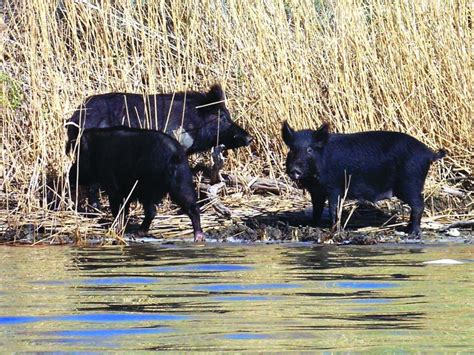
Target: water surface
{"x":236,"y":298}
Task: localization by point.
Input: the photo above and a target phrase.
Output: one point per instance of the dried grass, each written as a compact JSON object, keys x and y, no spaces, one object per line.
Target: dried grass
{"x":398,"y":65}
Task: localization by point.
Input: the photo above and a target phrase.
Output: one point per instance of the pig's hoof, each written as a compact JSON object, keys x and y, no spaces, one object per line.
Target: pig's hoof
{"x":141,"y":233}
{"x":414,"y":234}
{"x":199,"y":237}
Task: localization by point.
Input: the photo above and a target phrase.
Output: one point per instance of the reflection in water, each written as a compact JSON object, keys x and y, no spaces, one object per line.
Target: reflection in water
{"x":96,"y":318}
{"x":245,"y":336}
{"x":235,"y":298}
{"x":119,"y":317}
{"x":18,"y":320}
{"x":361,"y":285}
{"x":109,"y":332}
{"x":242,"y":298}
{"x":204,"y":267}
{"x":119,"y":280}
{"x":240,"y":287}
{"x":373,"y":301}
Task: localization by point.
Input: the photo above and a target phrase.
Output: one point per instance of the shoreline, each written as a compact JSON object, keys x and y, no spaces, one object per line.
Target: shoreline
{"x":237,"y":211}
{"x":243,"y":234}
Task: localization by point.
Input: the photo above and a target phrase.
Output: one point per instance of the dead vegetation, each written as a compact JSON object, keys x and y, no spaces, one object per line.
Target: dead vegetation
{"x":359,"y":65}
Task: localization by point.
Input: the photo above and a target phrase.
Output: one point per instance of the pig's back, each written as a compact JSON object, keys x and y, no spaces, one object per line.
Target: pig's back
{"x":132,"y":144}
{"x":376,"y":143}
{"x":374,"y":160}
{"x":127,"y":109}
{"x":375,"y":155}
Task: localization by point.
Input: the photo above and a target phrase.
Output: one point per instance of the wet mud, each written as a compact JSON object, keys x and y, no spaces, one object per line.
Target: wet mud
{"x":366,"y":226}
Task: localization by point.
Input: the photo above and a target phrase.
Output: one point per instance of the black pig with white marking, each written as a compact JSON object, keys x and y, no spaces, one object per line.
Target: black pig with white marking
{"x":118,"y":157}
{"x":370,"y":165}
{"x":199,"y":121}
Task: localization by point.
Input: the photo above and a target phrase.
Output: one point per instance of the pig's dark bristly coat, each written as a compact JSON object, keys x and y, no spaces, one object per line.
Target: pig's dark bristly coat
{"x":199,"y":121}
{"x":118,"y":157}
{"x":370,"y":165}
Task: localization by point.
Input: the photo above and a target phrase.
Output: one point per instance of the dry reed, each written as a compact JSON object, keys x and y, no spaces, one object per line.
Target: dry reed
{"x":360,"y":65}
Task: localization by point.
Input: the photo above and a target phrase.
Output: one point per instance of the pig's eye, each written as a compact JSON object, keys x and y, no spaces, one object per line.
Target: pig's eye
{"x":309,"y":150}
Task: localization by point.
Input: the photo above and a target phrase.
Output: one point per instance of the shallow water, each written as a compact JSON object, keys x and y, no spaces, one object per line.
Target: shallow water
{"x":236,"y":298}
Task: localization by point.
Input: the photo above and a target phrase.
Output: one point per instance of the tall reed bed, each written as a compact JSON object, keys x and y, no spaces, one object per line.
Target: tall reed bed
{"x":359,"y":64}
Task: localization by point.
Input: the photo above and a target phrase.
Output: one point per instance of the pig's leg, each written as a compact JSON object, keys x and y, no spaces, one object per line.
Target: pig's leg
{"x":417,"y":206}
{"x":114,"y":201}
{"x":93,"y":196}
{"x":185,"y":197}
{"x":333,"y":199}
{"x":115,"y":205}
{"x":194,"y":214}
{"x":410,"y":187}
{"x":318,"y":197}
{"x":150,"y":213}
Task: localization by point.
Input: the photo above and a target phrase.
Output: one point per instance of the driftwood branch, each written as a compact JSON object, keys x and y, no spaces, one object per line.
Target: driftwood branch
{"x":260,"y":185}
{"x":217,"y":182}
{"x":461,"y":224}
{"x":212,"y":194}
{"x":255,"y":185}
{"x":212,"y":172}
{"x":453,"y":191}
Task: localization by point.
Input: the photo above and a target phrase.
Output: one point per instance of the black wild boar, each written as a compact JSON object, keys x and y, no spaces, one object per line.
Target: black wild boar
{"x":117,"y":157}
{"x":199,"y":121}
{"x":372,"y":165}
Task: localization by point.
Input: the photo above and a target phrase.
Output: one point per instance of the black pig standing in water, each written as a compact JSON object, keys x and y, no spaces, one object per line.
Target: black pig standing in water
{"x":199,"y":121}
{"x":118,"y":157}
{"x":371,"y":165}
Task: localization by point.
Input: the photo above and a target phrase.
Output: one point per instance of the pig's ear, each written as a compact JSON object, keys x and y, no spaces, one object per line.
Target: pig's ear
{"x":215,"y":94}
{"x":287,"y":133}
{"x":321,"y":135}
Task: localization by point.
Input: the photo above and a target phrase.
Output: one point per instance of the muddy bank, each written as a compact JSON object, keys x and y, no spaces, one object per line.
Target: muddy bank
{"x":287,"y":233}
{"x":237,"y":217}
{"x":257,"y":230}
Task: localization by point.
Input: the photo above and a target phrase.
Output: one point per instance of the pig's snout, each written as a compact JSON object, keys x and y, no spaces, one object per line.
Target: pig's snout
{"x":295,"y":173}
{"x":241,"y":136}
{"x":245,"y":140}
{"x":236,"y":137}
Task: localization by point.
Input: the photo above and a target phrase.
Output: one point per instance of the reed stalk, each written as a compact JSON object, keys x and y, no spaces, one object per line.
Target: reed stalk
{"x":358,"y":64}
